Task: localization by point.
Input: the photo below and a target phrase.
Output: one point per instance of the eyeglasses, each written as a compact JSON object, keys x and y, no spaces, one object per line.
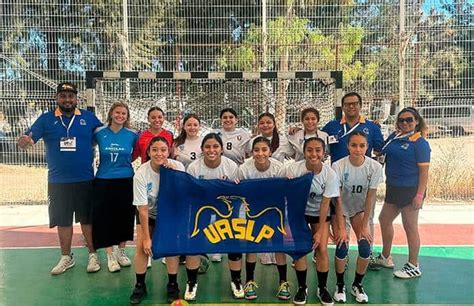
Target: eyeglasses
{"x":407,"y":120}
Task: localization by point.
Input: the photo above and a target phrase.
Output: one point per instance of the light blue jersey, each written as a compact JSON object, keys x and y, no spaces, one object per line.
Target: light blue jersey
{"x":115,"y":150}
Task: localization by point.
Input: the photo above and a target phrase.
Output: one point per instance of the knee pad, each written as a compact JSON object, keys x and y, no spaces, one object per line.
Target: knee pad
{"x":341,"y":251}
{"x":234,"y":256}
{"x":364,"y":249}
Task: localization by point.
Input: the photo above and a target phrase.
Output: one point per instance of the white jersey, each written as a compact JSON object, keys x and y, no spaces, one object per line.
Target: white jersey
{"x":189,"y":151}
{"x":283,"y":151}
{"x":355,"y":182}
{"x":146,"y":183}
{"x":297,"y":142}
{"x":324,"y":184}
{"x":248,"y":170}
{"x":227,"y":170}
{"x":234,"y":143}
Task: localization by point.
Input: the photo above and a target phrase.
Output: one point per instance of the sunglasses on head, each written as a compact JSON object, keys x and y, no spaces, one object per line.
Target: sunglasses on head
{"x":407,"y":120}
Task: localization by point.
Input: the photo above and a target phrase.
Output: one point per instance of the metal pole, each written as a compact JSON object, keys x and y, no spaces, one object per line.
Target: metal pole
{"x":401,"y":56}
{"x":264,"y":35}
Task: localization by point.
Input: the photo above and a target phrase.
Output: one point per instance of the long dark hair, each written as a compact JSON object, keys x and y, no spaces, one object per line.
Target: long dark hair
{"x":275,"y":143}
{"x":421,"y":126}
{"x":182,"y":135}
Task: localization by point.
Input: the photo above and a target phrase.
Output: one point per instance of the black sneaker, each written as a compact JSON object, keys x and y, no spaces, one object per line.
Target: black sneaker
{"x":301,"y":296}
{"x":324,"y":297}
{"x":172,"y":292}
{"x":139,"y":292}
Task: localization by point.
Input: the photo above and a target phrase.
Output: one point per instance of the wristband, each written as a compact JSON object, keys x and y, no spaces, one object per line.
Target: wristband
{"x":420,"y":195}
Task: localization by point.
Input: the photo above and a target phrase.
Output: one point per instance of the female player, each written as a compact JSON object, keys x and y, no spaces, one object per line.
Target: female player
{"x":113,"y":212}
{"x":234,"y":139}
{"x":310,"y":119}
{"x":407,"y":158}
{"x":187,"y":146}
{"x":145,"y":191}
{"x":323,"y":187}
{"x":280,"y":148}
{"x":212,"y":165}
{"x":262,"y":166}
{"x":156,"y":118}
{"x":359,"y":177}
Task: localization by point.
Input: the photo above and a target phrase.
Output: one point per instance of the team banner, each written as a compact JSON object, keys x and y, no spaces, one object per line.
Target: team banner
{"x":216,"y":216}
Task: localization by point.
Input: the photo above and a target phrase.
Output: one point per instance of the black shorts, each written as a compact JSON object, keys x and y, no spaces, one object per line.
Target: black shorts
{"x":314,"y":219}
{"x":66,"y":200}
{"x":400,"y":196}
{"x":151,"y":224}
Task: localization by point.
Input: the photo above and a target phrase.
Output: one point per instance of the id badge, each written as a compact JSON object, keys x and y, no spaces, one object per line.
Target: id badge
{"x":67,"y":144}
{"x":381,"y":159}
{"x":333,"y":139}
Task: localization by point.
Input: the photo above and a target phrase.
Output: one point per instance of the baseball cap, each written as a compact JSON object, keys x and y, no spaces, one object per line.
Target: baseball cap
{"x":66,"y":86}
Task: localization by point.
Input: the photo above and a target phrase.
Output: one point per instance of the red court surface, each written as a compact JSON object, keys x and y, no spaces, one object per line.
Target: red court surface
{"x":431,"y":234}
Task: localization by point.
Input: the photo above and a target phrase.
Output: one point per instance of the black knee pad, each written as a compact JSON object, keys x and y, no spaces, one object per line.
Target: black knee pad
{"x":234,"y":256}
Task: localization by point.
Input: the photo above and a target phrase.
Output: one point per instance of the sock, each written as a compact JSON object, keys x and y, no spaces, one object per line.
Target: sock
{"x":340,"y":278}
{"x":301,"y":276}
{"x":249,"y":270}
{"x":235,"y":276}
{"x":140,"y":278}
{"x":322,"y":279}
{"x":192,"y":275}
{"x":358,"y":279}
{"x":172,"y":278}
{"x":282,"y":272}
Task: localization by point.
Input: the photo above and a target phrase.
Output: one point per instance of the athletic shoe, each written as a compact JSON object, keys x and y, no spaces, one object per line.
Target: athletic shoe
{"x":172,"y":292}
{"x":340,"y":293}
{"x":66,"y":262}
{"x":293,"y":264}
{"x":138,"y":293}
{"x":216,"y":257}
{"x":301,"y":296}
{"x":284,"y":291}
{"x":313,"y":259}
{"x":94,"y":264}
{"x":384,"y":262}
{"x":163,"y":260}
{"x":112,"y":263}
{"x":237,"y":290}
{"x":249,"y":289}
{"x":122,"y":257}
{"x":408,"y":271}
{"x":359,"y":293}
{"x":191,"y":291}
{"x":373,"y":263}
{"x":204,"y":265}
{"x":148,"y":265}
{"x":324,"y":297}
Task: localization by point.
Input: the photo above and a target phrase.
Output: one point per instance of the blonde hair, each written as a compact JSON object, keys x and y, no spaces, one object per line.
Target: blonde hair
{"x":111,"y":110}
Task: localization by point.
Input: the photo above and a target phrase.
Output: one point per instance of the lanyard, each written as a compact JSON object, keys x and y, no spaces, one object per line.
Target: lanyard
{"x":69,"y":126}
{"x":397,"y":137}
{"x":350,"y":131}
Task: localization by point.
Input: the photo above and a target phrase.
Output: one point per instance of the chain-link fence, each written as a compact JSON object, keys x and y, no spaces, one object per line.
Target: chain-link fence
{"x":392,"y":52}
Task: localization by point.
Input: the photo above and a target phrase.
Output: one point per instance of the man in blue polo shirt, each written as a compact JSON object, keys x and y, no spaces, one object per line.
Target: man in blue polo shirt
{"x":67,"y":133}
{"x":338,"y":132}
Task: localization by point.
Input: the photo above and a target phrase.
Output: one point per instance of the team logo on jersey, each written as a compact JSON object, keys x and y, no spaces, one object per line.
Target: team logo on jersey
{"x":405,"y":146}
{"x":237,"y":228}
{"x":312,"y":195}
{"x":239,"y":138}
{"x":366,"y":131}
{"x":82,"y":122}
{"x":346,"y":176}
{"x":181,"y":147}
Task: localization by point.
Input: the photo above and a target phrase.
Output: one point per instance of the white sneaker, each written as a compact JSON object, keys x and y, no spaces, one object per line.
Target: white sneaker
{"x":237,"y":290}
{"x":122,"y":257}
{"x":340,"y":294}
{"x":112,"y":263}
{"x":66,"y":262}
{"x":163,"y":260}
{"x":359,"y":294}
{"x":191,"y":291}
{"x":384,"y":262}
{"x":216,"y":257}
{"x":148,"y":265}
{"x":94,"y":264}
{"x":408,"y":271}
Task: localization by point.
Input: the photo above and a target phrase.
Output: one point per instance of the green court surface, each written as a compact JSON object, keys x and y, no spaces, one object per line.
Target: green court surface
{"x":26,"y":280}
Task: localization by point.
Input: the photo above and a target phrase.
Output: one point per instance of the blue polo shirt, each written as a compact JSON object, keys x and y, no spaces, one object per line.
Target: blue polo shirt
{"x":340,"y":130}
{"x":115,"y":151}
{"x":67,"y":166}
{"x":402,"y":158}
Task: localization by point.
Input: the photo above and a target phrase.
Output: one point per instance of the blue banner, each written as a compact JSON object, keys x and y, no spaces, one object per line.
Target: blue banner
{"x":215,"y":216}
